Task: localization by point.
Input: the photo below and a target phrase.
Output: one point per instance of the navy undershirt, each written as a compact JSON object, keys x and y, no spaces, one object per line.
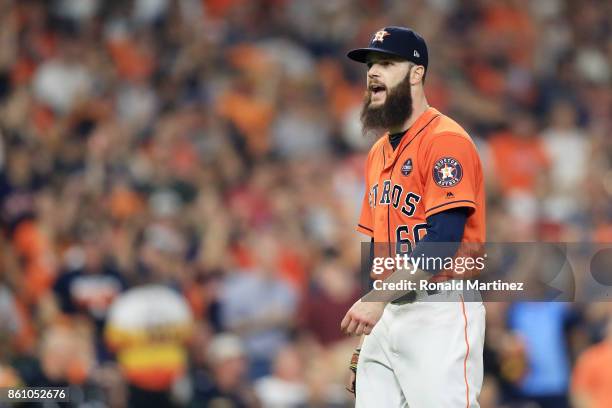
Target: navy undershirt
{"x":396,"y":138}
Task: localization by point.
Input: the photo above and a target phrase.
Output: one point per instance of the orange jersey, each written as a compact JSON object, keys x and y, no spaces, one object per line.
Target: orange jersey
{"x":436,"y":167}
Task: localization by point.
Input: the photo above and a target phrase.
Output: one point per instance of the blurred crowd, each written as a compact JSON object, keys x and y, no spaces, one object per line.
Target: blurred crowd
{"x":180,"y":182}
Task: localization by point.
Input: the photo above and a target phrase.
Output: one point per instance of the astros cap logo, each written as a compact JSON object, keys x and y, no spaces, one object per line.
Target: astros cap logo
{"x":380,"y":36}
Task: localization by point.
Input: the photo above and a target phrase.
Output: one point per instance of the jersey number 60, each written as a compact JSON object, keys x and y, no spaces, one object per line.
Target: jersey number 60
{"x":403,"y":241}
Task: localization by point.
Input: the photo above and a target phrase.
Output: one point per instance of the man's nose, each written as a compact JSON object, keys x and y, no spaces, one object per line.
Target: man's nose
{"x":373,"y":72}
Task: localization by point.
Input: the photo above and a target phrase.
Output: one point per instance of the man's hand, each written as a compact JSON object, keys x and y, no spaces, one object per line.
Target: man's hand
{"x":362,"y":317}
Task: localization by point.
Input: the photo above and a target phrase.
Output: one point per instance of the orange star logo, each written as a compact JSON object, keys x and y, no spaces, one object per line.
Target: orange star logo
{"x":447,"y":172}
{"x":380,"y":36}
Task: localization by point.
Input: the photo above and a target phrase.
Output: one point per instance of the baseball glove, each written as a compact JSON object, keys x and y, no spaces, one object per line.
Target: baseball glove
{"x":353,"y":367}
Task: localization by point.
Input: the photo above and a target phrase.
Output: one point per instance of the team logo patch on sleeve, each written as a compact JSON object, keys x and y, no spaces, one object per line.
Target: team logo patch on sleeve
{"x":406,"y":167}
{"x":447,"y":172}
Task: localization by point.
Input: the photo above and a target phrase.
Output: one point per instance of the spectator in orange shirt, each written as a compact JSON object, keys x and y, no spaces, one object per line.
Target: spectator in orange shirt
{"x":592,"y":376}
{"x":518,"y":157}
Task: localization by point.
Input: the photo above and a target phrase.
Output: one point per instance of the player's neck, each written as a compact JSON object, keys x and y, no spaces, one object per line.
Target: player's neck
{"x":419,"y":106}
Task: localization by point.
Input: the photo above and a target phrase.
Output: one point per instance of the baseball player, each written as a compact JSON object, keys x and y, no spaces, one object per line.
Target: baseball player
{"x":424,"y":185}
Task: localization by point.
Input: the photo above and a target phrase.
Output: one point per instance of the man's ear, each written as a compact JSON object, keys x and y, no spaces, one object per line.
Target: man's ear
{"x":416,"y":74}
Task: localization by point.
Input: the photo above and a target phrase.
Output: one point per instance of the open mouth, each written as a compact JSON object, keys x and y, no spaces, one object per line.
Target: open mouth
{"x":377,"y":89}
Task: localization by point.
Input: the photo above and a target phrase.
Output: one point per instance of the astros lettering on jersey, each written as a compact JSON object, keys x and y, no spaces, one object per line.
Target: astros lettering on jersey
{"x":435,"y":168}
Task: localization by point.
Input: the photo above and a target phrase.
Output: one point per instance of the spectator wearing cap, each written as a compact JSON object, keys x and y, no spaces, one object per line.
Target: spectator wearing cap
{"x":225,"y":382}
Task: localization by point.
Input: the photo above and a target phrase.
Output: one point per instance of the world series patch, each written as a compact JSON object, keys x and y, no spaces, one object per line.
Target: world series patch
{"x":407,"y":167}
{"x":447,"y":172}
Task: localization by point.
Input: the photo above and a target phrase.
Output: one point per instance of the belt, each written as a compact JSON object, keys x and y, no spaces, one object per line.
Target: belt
{"x":411,"y":297}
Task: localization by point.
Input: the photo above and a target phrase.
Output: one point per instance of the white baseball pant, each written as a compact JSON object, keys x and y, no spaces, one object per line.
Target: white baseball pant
{"x":426,"y":354}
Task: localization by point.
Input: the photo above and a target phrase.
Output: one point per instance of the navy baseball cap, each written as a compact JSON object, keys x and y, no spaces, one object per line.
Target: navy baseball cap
{"x":398,"y":41}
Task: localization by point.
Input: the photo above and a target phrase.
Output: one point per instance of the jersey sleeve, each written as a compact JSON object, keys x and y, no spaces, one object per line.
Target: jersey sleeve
{"x":365,"y":224}
{"x":452,"y":173}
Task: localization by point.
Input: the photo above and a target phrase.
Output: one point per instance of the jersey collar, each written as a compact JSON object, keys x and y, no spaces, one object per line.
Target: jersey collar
{"x":414,"y":130}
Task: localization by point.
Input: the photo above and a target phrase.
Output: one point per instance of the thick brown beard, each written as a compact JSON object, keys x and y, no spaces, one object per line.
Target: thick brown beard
{"x":392,"y":114}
